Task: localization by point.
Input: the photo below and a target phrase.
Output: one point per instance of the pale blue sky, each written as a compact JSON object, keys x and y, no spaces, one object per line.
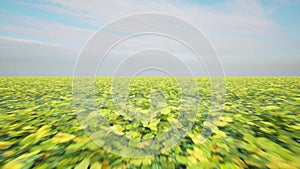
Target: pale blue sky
{"x":252,"y":37}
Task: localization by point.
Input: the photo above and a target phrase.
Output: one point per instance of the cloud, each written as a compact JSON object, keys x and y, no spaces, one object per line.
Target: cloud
{"x":238,"y":22}
{"x":49,"y":32}
{"x":10,"y":41}
{"x":28,"y":57}
{"x":240,"y":30}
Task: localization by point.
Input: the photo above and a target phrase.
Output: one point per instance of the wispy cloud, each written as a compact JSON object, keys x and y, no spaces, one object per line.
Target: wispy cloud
{"x":14,"y":41}
{"x":49,"y":31}
{"x":233,"y":22}
{"x":30,"y":57}
{"x":241,"y":31}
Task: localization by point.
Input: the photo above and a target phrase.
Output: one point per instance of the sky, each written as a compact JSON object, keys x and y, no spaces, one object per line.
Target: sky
{"x":46,"y":37}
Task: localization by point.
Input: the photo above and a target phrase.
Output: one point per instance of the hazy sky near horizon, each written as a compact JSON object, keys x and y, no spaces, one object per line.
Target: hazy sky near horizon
{"x":255,"y":37}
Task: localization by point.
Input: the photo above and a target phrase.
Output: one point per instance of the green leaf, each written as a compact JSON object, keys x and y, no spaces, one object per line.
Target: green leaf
{"x":117,"y":129}
{"x":83,"y":165}
{"x":13,"y":165}
{"x":96,"y":165}
{"x":5,"y":145}
{"x":270,"y":108}
{"x":62,"y":137}
{"x":165,"y":111}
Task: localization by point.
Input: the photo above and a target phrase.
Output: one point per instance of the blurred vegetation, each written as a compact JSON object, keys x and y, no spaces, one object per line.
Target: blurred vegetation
{"x":260,"y":126}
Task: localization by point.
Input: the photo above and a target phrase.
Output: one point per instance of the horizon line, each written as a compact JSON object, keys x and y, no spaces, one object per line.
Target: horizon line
{"x":279,"y":75}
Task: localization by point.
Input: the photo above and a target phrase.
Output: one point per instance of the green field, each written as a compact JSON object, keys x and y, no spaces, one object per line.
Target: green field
{"x":260,"y":126}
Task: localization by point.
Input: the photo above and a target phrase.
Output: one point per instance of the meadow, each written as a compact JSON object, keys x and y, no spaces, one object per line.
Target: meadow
{"x":259,"y":127}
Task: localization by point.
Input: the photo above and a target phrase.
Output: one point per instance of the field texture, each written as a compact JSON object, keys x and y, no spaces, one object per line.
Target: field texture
{"x":259,"y":128}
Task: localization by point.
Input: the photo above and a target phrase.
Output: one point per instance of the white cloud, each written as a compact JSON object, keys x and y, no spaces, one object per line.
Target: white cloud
{"x":14,"y":41}
{"x":28,"y":57}
{"x":237,"y":22}
{"x":238,"y":29}
{"x":49,"y":31}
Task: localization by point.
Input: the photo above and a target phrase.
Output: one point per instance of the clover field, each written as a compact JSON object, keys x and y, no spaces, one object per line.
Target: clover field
{"x":259,"y":127}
